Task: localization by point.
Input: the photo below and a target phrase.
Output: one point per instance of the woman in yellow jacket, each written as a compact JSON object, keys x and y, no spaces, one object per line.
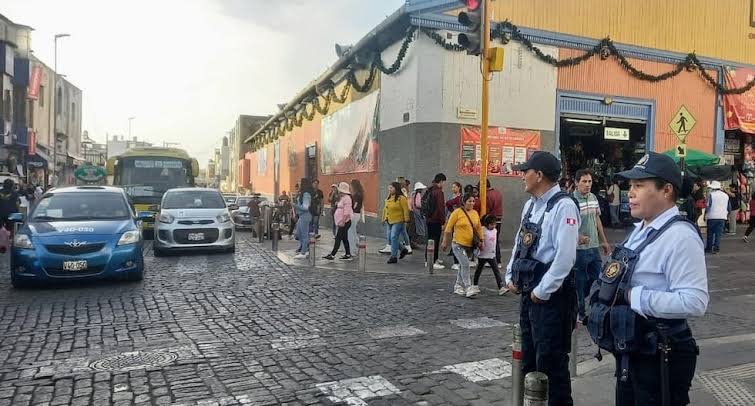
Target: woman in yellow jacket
{"x":396,"y":215}
{"x":463,"y":224}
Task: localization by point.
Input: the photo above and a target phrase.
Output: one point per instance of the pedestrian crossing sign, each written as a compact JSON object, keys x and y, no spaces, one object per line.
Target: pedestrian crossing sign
{"x":681,"y":150}
{"x":682,"y":123}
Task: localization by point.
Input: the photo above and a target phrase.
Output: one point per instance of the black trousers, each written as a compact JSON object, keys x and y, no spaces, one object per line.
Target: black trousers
{"x":497,"y":245}
{"x":546,"y":340}
{"x":643,"y":388}
{"x":493,"y":265}
{"x":342,"y":235}
{"x":751,"y":226}
{"x":434,"y":231}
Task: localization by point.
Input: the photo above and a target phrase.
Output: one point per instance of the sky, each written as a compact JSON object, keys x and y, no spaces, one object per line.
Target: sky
{"x":185,"y":69}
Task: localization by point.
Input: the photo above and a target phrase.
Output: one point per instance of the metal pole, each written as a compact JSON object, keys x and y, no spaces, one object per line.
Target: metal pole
{"x":362,"y":253}
{"x":53,"y":118}
{"x":485,"y":62}
{"x":573,"y":352}
{"x":312,"y":250}
{"x":268,"y":220}
{"x":276,"y":235}
{"x":536,"y":389}
{"x":517,"y":379}
{"x":430,"y":255}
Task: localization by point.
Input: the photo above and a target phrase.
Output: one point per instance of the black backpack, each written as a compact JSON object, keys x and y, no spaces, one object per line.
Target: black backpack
{"x":428,"y":203}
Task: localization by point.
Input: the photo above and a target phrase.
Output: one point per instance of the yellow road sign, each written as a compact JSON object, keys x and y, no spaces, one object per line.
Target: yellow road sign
{"x":681,"y":150}
{"x":682,"y":123}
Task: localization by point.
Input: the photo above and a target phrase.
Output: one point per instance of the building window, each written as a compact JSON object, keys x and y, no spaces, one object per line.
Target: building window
{"x":41,"y":96}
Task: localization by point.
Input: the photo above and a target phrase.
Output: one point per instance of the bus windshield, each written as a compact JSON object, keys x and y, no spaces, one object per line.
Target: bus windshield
{"x":145,"y":179}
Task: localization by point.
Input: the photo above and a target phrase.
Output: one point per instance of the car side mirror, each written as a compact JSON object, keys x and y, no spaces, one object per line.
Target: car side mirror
{"x":16,"y":217}
{"x":233,"y":206}
{"x":145,"y":216}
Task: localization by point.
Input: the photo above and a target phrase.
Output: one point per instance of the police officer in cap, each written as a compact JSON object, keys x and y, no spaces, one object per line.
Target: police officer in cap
{"x":651,"y":284}
{"x":540,"y":268}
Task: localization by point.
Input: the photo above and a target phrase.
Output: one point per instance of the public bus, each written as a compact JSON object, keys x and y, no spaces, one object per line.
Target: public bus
{"x":147,"y":173}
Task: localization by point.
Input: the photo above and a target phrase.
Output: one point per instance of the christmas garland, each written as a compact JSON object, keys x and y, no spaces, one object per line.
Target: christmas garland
{"x":439,"y":40}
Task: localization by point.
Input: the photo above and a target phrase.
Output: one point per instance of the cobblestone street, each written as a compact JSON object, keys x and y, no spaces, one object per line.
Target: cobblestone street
{"x":220,"y":329}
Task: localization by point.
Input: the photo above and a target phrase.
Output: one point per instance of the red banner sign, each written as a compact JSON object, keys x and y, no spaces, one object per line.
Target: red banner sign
{"x":506,"y":148}
{"x":34,"y":82}
{"x":32,"y":142}
{"x":739,"y":109}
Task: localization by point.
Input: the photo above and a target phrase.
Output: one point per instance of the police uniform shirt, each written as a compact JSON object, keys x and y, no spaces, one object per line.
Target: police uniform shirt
{"x":670,"y":279}
{"x":558,"y":242}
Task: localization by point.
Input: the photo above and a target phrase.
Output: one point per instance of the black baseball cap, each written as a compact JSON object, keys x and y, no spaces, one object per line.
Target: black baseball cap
{"x":655,"y":165}
{"x":541,"y":161}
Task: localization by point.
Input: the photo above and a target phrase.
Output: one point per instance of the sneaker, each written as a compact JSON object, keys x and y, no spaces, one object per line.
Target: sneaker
{"x":459,"y":290}
{"x":346,"y":257}
{"x":329,"y":257}
{"x":744,"y":239}
{"x":392,"y":260}
{"x":502,"y":291}
{"x":472,"y":264}
{"x":301,"y":255}
{"x":403,"y":253}
{"x":438,"y":266}
{"x":455,"y":267}
{"x":439,"y":261}
{"x":408,"y":249}
{"x":731,"y":233}
{"x":472,"y":291}
{"x":386,"y":249}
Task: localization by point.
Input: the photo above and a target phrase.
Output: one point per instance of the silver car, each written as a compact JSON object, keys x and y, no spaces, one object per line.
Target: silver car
{"x":192,"y":218}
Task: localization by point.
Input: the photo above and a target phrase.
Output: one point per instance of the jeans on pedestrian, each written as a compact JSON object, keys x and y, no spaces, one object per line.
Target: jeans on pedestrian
{"x":546,"y":340}
{"x":397,"y":231}
{"x":353,"y":230}
{"x":715,"y":229}
{"x":405,"y":240}
{"x":614,"y":215}
{"x":586,"y":270}
{"x":315,"y":224}
{"x":434,"y":231}
{"x":733,"y":221}
{"x":462,"y":254}
{"x":302,"y":232}
{"x":342,"y":236}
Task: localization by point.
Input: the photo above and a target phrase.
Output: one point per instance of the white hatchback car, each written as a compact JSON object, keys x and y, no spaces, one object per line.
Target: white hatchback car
{"x":194,"y":218}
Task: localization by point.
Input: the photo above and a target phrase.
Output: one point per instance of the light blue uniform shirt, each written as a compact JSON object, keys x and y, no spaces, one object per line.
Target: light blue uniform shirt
{"x":670,"y":280}
{"x":558,"y":242}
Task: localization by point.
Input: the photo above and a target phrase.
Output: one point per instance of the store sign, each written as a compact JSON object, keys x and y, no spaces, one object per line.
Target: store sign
{"x":682,"y":123}
{"x":617,"y":134}
{"x":739,"y":109}
{"x":506,"y":148}
{"x":34,"y":83}
{"x":90,"y":173}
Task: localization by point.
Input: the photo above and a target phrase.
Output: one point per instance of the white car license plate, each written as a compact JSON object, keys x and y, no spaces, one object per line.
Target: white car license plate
{"x":196,"y":236}
{"x":74,"y":265}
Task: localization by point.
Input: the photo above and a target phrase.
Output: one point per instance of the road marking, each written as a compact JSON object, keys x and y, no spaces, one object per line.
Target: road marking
{"x":480,"y":371}
{"x":394,"y":331}
{"x":296,"y":342}
{"x":355,"y":391}
{"x":479,"y":322}
{"x":727,"y":386}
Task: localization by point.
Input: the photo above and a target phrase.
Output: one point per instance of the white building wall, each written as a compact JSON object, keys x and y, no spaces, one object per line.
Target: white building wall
{"x":435,"y":83}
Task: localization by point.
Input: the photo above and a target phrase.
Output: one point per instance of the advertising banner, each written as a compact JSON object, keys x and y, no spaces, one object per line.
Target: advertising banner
{"x":506,"y":148}
{"x":349,"y":138}
{"x":739,"y":109}
{"x":34,"y":83}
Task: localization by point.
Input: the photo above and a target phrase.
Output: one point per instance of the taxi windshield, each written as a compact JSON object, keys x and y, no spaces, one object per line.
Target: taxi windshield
{"x":72,"y":206}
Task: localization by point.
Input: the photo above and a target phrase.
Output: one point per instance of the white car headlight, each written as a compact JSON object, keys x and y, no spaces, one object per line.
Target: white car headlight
{"x":224,"y":218}
{"x":130,"y":237}
{"x":166,"y":218}
{"x":22,"y":241}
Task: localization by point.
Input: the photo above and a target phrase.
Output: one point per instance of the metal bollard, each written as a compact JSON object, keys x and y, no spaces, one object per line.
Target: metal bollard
{"x":573,"y":352}
{"x":276,"y":235}
{"x":362,"y":253}
{"x":536,"y":389}
{"x":517,"y":379}
{"x":312,"y":249}
{"x":430,"y":255}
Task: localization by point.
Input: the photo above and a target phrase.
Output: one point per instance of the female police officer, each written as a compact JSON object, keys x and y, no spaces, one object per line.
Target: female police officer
{"x":540,"y":268}
{"x":651,"y":284}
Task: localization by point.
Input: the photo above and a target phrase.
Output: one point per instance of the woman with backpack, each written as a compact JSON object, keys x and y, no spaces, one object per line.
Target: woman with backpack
{"x":301,"y":205}
{"x":395,"y":216}
{"x":465,"y":227}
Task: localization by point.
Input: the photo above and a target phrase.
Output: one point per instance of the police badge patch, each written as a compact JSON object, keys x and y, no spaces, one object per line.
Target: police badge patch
{"x":611,"y":270}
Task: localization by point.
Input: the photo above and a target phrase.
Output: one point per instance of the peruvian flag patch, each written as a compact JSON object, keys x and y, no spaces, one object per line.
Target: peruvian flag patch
{"x":571,"y":222}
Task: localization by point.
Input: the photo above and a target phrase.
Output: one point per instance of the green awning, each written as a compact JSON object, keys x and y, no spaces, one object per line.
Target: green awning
{"x":695,"y":158}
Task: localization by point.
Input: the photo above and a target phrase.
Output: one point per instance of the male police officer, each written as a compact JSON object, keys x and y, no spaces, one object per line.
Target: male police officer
{"x":540,"y":268}
{"x":651,"y":284}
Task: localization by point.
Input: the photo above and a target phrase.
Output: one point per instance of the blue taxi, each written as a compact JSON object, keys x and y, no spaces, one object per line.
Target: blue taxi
{"x":75,"y":233}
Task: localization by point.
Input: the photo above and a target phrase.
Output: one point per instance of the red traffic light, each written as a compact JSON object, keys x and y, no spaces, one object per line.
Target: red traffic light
{"x":472,"y":4}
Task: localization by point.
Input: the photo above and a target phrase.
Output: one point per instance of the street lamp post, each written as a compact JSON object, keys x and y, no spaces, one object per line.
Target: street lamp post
{"x":53,"y":110}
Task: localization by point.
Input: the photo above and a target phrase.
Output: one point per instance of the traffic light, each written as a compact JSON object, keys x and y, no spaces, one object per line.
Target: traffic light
{"x":472,"y":19}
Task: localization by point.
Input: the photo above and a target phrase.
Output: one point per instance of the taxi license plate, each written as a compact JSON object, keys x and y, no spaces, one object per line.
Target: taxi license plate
{"x":196,"y":236}
{"x":74,"y":265}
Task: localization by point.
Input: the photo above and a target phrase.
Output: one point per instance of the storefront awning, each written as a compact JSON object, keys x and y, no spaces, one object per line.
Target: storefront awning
{"x":39,"y":159}
{"x":739,"y":109}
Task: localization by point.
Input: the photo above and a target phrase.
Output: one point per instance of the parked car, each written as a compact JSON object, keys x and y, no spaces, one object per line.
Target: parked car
{"x":242,"y":217}
{"x":192,"y":218}
{"x":82,"y":232}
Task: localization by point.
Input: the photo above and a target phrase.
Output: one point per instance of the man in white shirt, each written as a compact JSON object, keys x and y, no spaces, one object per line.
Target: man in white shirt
{"x":716,"y":213}
{"x":614,"y":202}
